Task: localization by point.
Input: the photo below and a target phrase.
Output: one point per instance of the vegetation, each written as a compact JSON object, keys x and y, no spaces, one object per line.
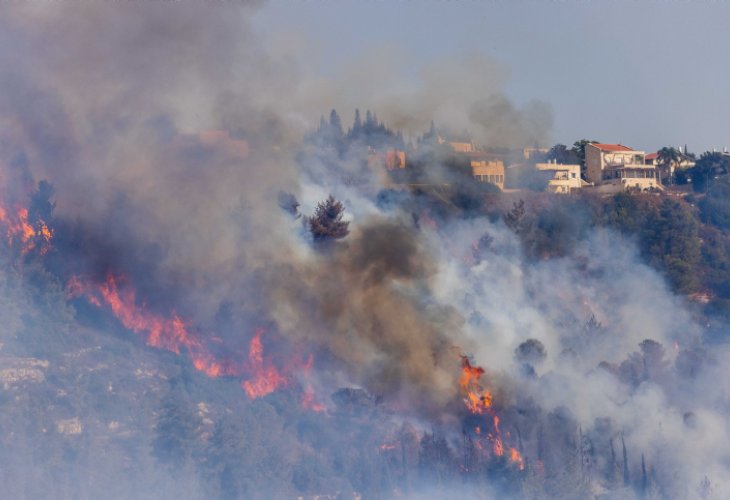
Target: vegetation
{"x":326,"y":225}
{"x":364,"y":133}
{"x":669,"y":159}
{"x":709,"y":167}
{"x":561,"y":154}
{"x":579,"y":148}
{"x":149,"y":419}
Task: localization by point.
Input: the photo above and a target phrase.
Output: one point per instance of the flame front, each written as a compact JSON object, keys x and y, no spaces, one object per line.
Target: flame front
{"x":308,"y":400}
{"x":477,"y":400}
{"x":515,"y":457}
{"x":172,"y":334}
{"x":19,"y":232}
{"x":266,"y":378}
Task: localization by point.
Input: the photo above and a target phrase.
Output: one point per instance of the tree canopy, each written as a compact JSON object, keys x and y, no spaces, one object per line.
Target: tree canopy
{"x":326,"y":224}
{"x":561,"y":154}
{"x":710,"y":166}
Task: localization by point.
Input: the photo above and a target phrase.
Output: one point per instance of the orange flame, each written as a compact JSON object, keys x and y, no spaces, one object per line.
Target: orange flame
{"x":497,"y":445}
{"x":20,"y":231}
{"x":171,"y":334}
{"x":174,"y":334}
{"x":266,"y":378}
{"x":515,"y":457}
{"x":477,"y":400}
{"x":308,"y":401}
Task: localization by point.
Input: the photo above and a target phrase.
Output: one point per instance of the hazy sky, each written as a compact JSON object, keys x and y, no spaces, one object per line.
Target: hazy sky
{"x":643,"y":73}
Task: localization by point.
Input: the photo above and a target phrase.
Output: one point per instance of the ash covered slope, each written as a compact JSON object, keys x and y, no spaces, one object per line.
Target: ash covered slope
{"x":171,"y":331}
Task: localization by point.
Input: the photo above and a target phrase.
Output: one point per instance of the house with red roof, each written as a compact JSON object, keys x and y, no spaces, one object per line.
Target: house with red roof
{"x":618,"y":167}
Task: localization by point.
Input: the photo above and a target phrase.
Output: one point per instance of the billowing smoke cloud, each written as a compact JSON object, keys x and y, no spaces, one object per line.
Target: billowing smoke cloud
{"x":463,"y":95}
{"x":368,"y":305}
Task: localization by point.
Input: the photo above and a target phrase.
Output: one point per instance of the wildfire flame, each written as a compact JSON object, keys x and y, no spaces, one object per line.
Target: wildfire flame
{"x":308,"y":400}
{"x":266,"y":378}
{"x":171,"y":334}
{"x":479,"y":402}
{"x":515,"y":457}
{"x":174,"y":334}
{"x":19,"y":231}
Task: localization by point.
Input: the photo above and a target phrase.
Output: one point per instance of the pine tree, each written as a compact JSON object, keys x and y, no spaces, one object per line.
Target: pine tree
{"x":326,"y":224}
{"x":336,"y":125}
{"x":356,"y":126}
{"x":515,"y":218}
{"x":627,"y":478}
{"x":175,"y":430}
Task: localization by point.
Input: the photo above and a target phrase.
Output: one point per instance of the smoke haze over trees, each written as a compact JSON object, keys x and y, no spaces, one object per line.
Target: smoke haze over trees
{"x":172,"y":329}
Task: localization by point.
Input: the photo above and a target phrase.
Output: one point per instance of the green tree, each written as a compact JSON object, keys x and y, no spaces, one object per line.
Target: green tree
{"x":715,"y":207}
{"x":515,"y":218}
{"x":41,"y":207}
{"x":326,"y":225}
{"x":175,"y":430}
{"x":628,"y":213}
{"x":561,"y":154}
{"x":671,"y":242}
{"x":357,"y":125}
{"x":669,"y":159}
{"x":715,"y":270}
{"x":336,"y":125}
{"x":710,"y":166}
{"x":579,"y":148}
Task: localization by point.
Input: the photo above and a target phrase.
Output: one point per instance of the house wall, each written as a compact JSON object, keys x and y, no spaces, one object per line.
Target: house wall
{"x":606,"y":167}
{"x":488,"y":171}
{"x":566,"y":178}
{"x":462,"y":147}
{"x":594,"y":164}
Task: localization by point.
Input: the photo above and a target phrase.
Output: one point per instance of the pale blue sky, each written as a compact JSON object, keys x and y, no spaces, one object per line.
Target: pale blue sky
{"x":643,"y":73}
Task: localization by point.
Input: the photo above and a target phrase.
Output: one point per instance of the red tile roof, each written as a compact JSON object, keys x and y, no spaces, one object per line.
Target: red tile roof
{"x":652,"y":156}
{"x":612,"y":147}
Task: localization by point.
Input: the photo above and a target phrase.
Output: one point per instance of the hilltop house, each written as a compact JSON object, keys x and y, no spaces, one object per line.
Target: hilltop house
{"x":390,"y":159}
{"x":485,"y":167}
{"x":565,"y":178}
{"x":487,"y":170}
{"x":534,"y":154}
{"x":457,"y":144}
{"x":619,"y":167}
